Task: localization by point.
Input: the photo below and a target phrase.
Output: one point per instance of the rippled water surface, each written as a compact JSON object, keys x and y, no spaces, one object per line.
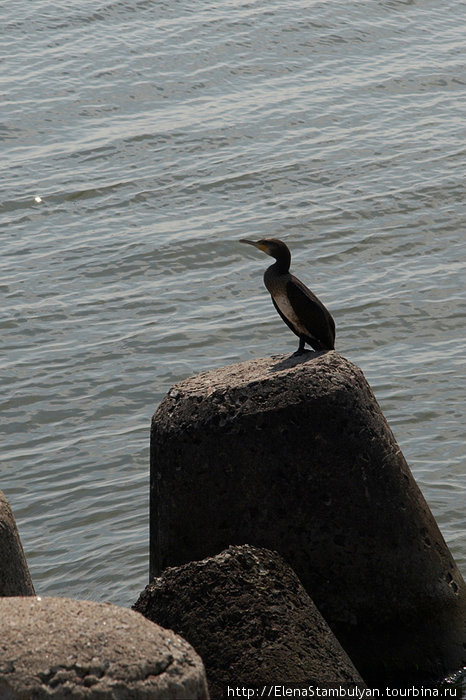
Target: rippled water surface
{"x":140,"y":140}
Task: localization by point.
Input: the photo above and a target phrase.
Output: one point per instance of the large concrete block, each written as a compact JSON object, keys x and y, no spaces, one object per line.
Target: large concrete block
{"x":15,"y":578}
{"x":248,"y":616}
{"x":58,"y":648}
{"x":295,"y":455}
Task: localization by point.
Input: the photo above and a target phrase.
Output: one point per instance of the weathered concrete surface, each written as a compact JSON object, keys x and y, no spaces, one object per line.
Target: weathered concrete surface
{"x":248,"y":616}
{"x":15,"y":578}
{"x":58,"y":648}
{"x":295,"y":455}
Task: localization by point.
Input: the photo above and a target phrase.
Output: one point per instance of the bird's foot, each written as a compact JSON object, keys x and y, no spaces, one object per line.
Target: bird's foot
{"x":300,"y":351}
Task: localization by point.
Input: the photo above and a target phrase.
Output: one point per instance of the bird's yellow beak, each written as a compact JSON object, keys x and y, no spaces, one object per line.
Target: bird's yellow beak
{"x":260,"y":246}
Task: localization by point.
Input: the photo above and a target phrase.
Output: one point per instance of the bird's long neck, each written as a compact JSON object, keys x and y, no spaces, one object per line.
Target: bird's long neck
{"x":282,"y":264}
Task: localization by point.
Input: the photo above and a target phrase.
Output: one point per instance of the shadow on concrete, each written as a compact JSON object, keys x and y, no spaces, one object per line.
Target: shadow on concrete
{"x":294,"y":360}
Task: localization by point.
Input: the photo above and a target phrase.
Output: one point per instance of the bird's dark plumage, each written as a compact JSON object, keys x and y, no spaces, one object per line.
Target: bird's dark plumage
{"x":301,"y":310}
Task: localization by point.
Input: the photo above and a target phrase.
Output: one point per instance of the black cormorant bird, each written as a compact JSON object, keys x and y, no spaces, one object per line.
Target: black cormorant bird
{"x":297,"y":305}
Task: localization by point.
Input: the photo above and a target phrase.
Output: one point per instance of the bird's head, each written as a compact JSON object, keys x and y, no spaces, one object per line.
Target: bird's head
{"x":272,"y":246}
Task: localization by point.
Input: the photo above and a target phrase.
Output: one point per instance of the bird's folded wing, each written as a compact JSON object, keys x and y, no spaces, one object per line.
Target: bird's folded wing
{"x":311,"y":312}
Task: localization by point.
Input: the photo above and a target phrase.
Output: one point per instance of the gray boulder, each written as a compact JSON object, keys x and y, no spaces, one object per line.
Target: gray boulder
{"x":295,"y":455}
{"x":247,"y":615}
{"x":58,"y":648}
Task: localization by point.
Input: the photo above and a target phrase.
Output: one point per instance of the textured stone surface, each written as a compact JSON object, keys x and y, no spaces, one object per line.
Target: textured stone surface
{"x":295,"y":455}
{"x":59,"y":648}
{"x":15,"y":578}
{"x":249,"y":618}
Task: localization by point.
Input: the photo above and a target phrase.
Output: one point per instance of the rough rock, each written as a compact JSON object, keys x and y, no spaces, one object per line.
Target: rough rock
{"x":15,"y":578}
{"x":248,"y":616}
{"x":295,"y":455}
{"x":58,"y":648}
